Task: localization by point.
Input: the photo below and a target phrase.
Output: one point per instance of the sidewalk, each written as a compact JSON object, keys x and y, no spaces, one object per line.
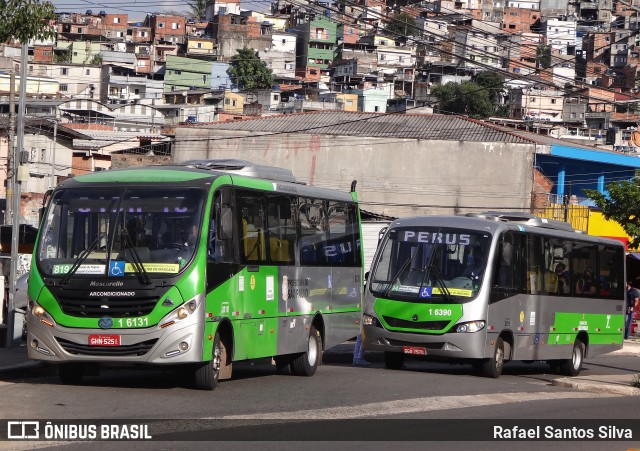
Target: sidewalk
{"x":14,"y":364}
{"x":616,"y":383}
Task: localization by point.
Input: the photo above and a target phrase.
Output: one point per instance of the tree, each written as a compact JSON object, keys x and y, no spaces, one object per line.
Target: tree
{"x":622,"y":205}
{"x":466,"y":98}
{"x":543,"y":56}
{"x":25,"y":20}
{"x":400,"y":25}
{"x":493,"y":83}
{"x":198,"y":9}
{"x":248,"y":72}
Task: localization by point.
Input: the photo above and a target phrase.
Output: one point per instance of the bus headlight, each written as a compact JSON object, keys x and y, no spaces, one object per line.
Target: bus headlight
{"x":178,"y":314}
{"x":38,"y":311}
{"x":471,"y":326}
{"x":368,"y":320}
{"x":182,"y":313}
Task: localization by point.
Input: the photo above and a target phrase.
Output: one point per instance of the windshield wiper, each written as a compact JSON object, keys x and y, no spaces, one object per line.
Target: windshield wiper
{"x":400,"y":271}
{"x":438,"y":279}
{"x":137,"y":261}
{"x":82,"y":257}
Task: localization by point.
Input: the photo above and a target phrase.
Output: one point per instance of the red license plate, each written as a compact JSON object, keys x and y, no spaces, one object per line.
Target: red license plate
{"x":414,"y":350}
{"x":104,"y":340}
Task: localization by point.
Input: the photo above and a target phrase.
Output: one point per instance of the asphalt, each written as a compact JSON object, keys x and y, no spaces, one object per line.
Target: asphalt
{"x":14,"y":364}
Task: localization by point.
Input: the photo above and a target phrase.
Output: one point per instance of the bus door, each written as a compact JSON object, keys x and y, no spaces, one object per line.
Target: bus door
{"x":256,"y":300}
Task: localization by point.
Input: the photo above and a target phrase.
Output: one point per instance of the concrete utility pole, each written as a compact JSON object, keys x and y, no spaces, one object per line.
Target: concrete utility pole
{"x":12,"y":133}
{"x":15,"y":223}
{"x":53,"y":153}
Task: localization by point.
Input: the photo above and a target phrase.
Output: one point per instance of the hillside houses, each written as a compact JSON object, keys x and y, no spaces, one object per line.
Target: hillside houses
{"x":570,"y":69}
{"x":342,"y":47}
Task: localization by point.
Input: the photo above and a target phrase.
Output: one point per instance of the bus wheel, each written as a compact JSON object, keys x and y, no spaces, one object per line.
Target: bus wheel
{"x":71,"y":373}
{"x":207,"y":374}
{"x":572,"y":366}
{"x":393,"y":360}
{"x":492,"y":367}
{"x":306,"y":364}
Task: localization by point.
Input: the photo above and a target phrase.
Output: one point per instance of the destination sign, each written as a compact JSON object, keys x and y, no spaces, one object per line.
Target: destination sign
{"x":422,"y":236}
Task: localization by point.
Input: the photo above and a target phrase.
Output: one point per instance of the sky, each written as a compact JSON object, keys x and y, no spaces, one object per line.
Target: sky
{"x":138,"y":9}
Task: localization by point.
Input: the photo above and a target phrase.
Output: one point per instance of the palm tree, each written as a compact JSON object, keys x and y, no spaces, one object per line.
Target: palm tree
{"x":198,"y":9}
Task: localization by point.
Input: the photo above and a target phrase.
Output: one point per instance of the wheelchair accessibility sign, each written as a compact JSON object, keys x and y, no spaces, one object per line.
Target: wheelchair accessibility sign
{"x":116,"y":268}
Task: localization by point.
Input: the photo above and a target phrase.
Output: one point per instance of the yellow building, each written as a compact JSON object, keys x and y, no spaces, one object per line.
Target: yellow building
{"x":589,"y":220}
{"x":200,"y":46}
{"x":233,"y":103}
{"x":35,"y":85}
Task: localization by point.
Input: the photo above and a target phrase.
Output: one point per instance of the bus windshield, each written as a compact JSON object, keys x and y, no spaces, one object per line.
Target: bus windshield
{"x":120,"y":232}
{"x":430,"y":264}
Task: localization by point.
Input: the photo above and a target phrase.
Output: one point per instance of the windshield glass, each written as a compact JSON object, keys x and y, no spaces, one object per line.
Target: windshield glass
{"x":106,"y":231}
{"x":428,"y":264}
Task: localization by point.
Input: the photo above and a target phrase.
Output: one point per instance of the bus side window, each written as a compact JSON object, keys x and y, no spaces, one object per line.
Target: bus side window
{"x":253,"y":247}
{"x":312,"y":227}
{"x":281,"y":228}
{"x":505,"y":261}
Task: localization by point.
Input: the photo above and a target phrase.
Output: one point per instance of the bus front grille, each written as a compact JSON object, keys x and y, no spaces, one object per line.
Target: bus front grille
{"x":107,"y":351}
{"x":113,"y":307}
{"x":424,"y":325}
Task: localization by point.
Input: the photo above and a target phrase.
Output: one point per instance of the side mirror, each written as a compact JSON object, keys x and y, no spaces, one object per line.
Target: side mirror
{"x":381,"y":233}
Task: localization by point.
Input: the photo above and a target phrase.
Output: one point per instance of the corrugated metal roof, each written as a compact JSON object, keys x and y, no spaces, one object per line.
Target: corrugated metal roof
{"x":413,"y":126}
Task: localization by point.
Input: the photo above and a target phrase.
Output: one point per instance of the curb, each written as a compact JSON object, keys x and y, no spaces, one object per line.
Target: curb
{"x":598,"y":387}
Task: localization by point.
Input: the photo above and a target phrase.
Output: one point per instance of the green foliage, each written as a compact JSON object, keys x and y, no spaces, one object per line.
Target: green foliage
{"x":248,"y":72}
{"x":62,"y":57}
{"x":493,"y":83}
{"x":400,"y":25}
{"x":543,"y":56}
{"x":25,"y":20}
{"x":622,"y":205}
{"x":197,"y":9}
{"x":504,"y":110}
{"x":466,"y":98}
{"x":96,"y":60}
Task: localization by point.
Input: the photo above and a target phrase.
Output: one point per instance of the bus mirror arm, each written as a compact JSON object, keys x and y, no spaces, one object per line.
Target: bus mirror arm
{"x":226,"y":223}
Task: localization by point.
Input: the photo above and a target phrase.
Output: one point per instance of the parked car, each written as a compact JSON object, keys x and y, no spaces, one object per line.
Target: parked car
{"x":21,"y":299}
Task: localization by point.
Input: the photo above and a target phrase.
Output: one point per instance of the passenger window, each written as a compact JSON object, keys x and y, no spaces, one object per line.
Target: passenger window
{"x":282,"y":231}
{"x":611,"y":286}
{"x":584,"y":267}
{"x":253,"y":246}
{"x":313,"y":223}
{"x":559,"y":258}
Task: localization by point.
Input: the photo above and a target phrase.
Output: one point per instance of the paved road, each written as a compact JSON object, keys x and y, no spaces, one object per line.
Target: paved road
{"x":371,"y":405}
{"x":388,"y":402}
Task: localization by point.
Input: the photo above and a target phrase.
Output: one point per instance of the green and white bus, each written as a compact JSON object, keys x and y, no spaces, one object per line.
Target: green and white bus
{"x":487,"y":288}
{"x":197,"y":264}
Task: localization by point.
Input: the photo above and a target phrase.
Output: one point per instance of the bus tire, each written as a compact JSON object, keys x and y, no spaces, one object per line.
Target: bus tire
{"x":492,"y":367}
{"x":71,"y":373}
{"x":572,"y":366}
{"x":207,"y":374}
{"x":306,"y":364}
{"x":283,"y":364}
{"x":393,"y":360}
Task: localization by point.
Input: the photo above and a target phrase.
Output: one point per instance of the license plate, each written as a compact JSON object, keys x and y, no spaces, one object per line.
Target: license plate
{"x":414,"y":350}
{"x":104,"y":340}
